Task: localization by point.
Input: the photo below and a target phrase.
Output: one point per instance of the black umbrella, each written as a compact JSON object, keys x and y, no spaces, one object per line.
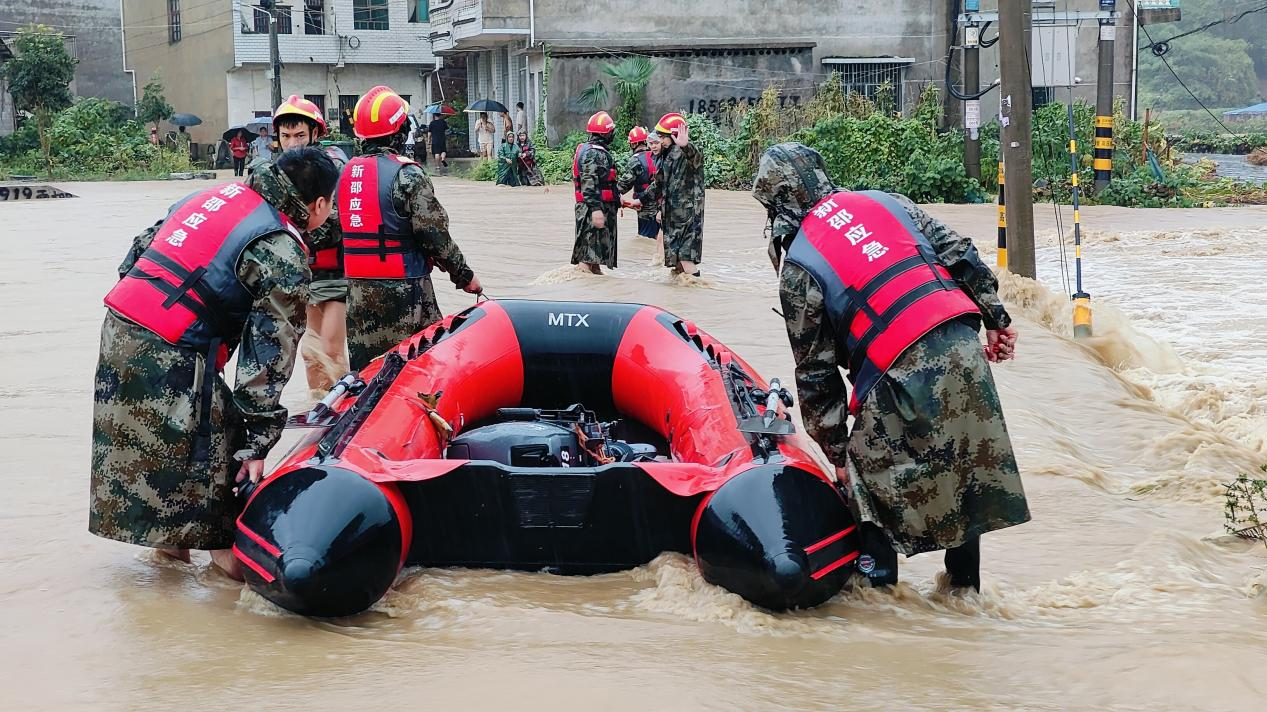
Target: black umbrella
{"x":228,"y":135}
{"x":184,"y":120}
{"x":487,"y":105}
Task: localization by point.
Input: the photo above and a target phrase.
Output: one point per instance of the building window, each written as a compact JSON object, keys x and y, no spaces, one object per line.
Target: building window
{"x":346,"y":103}
{"x":319,"y":100}
{"x":866,"y":76}
{"x":369,"y":14}
{"x":283,"y":20}
{"x":314,"y":17}
{"x":173,"y":21}
{"x":419,"y":11}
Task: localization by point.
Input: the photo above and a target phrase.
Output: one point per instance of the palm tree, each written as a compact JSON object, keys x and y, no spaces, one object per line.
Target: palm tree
{"x":629,"y":79}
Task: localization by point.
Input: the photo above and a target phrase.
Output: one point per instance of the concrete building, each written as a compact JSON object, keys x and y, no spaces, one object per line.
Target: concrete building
{"x":92,"y":35}
{"x":723,"y":53}
{"x":214,"y":57}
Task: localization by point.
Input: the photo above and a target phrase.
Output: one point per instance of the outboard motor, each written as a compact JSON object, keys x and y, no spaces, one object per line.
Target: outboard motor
{"x":778,"y":536}
{"x":323,"y":541}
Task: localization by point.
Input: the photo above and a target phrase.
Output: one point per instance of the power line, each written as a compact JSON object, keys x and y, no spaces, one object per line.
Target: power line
{"x":121,"y":26}
{"x":1160,"y":48}
{"x":1175,"y":74}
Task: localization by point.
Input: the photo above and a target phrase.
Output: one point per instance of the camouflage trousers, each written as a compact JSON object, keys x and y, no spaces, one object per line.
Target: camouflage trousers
{"x":930,"y":460}
{"x":684,"y":238}
{"x":384,"y":312}
{"x":145,"y":487}
{"x":592,"y":244}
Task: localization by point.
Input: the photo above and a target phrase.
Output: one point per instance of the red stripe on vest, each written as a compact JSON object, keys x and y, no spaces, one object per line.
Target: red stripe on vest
{"x":860,"y":238}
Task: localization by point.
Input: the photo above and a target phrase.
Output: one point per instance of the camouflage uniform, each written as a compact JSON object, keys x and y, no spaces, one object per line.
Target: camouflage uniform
{"x":384,"y":312}
{"x":634,"y":175}
{"x":928,"y":458}
{"x":595,"y":245}
{"x":680,"y":185}
{"x":146,"y":488}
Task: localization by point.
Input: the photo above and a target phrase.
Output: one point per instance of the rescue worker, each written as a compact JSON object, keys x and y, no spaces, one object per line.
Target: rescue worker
{"x":597,"y":197}
{"x":872,"y":284}
{"x":225,"y":271}
{"x":680,"y":186}
{"x":298,"y":123}
{"x":394,"y":230}
{"x":639,"y":176}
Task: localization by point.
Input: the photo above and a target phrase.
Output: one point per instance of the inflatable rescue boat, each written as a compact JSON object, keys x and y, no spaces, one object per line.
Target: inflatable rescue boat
{"x":569,"y":437}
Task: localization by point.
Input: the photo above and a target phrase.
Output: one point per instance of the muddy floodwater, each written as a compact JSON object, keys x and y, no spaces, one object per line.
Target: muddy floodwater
{"x":1123,"y":593}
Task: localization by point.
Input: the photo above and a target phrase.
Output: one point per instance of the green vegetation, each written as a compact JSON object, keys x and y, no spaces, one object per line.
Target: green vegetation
{"x":1245,"y":507}
{"x":1221,"y":65}
{"x":39,"y":80}
{"x":93,"y":139}
{"x":153,"y":106}
{"x":629,"y":78}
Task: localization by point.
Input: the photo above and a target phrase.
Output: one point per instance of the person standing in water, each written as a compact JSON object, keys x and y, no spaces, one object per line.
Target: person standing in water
{"x":298,"y":123}
{"x":680,"y":185}
{"x":225,"y":271}
{"x":597,"y":197}
{"x":639,"y":176}
{"x":874,"y":285}
{"x":394,"y":230}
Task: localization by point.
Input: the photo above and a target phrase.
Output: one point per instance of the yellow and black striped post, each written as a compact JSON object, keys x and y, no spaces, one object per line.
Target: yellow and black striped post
{"x":1002,"y":260}
{"x":1081,"y":300}
{"x":1102,"y":153}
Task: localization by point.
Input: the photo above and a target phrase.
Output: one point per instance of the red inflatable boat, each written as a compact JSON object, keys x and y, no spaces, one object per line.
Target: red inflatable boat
{"x":570,"y":437}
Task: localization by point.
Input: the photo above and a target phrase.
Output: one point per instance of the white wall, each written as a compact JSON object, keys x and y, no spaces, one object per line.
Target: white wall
{"x":250,"y":89}
{"x":403,"y":43}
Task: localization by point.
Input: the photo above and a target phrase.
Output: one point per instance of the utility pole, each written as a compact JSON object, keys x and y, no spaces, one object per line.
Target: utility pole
{"x":270,"y":8}
{"x":1016,"y":115}
{"x":972,"y":107}
{"x":1102,"y":150}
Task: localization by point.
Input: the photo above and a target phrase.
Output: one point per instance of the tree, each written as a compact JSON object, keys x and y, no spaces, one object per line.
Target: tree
{"x":39,"y":77}
{"x":629,"y":79}
{"x":153,"y":106}
{"x":1218,"y":71}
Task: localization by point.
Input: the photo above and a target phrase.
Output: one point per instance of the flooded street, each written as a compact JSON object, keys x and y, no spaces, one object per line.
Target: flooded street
{"x":1123,"y":593}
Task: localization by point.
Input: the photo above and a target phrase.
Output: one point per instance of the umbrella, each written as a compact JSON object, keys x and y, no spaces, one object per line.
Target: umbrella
{"x":184,"y":120}
{"x":240,"y":128}
{"x":490,"y":105}
{"x":441,"y":109}
{"x":264,"y":122}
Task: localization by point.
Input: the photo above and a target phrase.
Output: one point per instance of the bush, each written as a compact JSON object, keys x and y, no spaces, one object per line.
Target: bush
{"x":485,"y":169}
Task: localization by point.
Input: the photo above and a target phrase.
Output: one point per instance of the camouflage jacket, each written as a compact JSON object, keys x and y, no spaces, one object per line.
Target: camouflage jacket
{"x":414,"y":196}
{"x":680,"y":183}
{"x":634,"y":175}
{"x":820,"y":356}
{"x":596,"y":164}
{"x":272,"y":182}
{"x":275,"y":271}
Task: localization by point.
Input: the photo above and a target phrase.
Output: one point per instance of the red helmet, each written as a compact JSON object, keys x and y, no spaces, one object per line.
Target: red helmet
{"x":668,"y":122}
{"x":301,"y":107}
{"x":601,"y":123}
{"x":380,"y":112}
{"x":638,"y":134}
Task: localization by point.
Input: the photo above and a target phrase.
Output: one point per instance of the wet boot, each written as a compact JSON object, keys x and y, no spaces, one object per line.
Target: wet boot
{"x":963,"y":564}
{"x":877,"y":559}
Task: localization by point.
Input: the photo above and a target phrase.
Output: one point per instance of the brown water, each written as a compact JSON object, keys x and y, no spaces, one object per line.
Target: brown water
{"x":1123,"y":592}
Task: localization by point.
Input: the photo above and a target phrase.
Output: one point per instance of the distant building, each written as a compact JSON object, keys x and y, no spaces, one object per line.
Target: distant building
{"x":717,"y":54}
{"x":1257,"y":111}
{"x":92,"y":35}
{"x":214,"y":57}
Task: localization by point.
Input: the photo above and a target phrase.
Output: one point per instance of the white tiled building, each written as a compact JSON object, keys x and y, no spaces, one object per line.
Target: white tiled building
{"x":332,"y":51}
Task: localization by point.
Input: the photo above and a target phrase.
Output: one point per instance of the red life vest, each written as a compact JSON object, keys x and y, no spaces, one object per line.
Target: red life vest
{"x":648,"y":160}
{"x":883,"y":286}
{"x":377,"y":241}
{"x":184,"y":286}
{"x":607,"y":184}
{"x":327,"y":260}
